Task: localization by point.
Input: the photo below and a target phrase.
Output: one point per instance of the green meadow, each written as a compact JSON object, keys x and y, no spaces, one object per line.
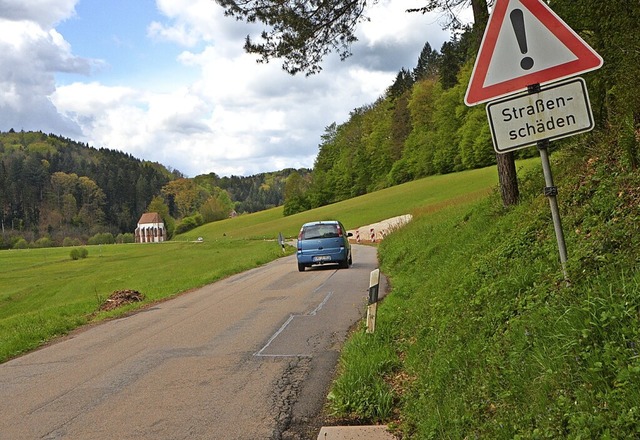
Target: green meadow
{"x":45,"y":293}
{"x":483,"y":337}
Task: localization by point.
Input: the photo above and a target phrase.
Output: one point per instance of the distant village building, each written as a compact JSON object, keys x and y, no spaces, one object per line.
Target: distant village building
{"x":150,"y":228}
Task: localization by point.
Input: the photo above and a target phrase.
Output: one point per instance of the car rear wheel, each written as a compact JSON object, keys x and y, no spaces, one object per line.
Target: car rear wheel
{"x":300,"y":267}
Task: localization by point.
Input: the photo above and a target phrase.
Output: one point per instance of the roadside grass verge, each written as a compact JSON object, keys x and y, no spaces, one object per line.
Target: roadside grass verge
{"x":45,"y":293}
{"x":481,"y":337}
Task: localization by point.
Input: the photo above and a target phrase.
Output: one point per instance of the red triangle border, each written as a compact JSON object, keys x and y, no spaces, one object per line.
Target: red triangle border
{"x":587,"y":58}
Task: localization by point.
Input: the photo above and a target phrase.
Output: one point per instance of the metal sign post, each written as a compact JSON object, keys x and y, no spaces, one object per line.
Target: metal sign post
{"x":551,"y":191}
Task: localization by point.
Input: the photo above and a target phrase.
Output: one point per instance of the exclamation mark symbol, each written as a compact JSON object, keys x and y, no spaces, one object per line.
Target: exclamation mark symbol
{"x":517,"y":21}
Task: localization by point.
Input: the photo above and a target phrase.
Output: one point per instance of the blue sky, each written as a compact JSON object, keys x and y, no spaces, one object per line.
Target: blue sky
{"x":168,"y":80}
{"x":116,"y":32}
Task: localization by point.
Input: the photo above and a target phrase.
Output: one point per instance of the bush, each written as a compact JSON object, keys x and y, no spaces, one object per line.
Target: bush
{"x":21,"y":243}
{"x":295,"y":205}
{"x":125,"y":238}
{"x":44,"y":242}
{"x":102,"y":238}
{"x":189,"y":223}
{"x":68,"y":242}
{"x":78,"y":253}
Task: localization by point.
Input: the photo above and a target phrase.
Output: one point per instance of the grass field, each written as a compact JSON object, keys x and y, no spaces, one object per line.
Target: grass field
{"x":46,"y":294}
{"x":481,"y":335}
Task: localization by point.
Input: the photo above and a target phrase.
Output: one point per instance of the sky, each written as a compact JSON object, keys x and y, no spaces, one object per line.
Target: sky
{"x":168,"y":81}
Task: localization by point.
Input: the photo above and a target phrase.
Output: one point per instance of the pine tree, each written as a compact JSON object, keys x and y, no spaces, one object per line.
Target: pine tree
{"x":428,"y":63}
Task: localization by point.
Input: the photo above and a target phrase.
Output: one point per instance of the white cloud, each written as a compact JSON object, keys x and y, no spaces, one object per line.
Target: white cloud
{"x":31,"y":53}
{"x":235,"y":117}
{"x":45,"y":13}
{"x":192,"y":22}
{"x":391,"y":23}
{"x":178,"y":34}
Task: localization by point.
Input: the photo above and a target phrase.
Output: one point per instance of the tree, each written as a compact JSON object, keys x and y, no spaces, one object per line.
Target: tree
{"x":186,"y":195}
{"x":428,"y":63}
{"x":403,"y":83}
{"x":217,"y":207}
{"x":418,"y":153}
{"x":300,"y":32}
{"x":451,"y":59}
{"x":69,"y":207}
{"x":449,"y":7}
{"x":4,"y":199}
{"x":157,"y":205}
{"x":91,"y":202}
{"x":611,"y":29}
{"x":400,"y":125}
{"x":63,"y":184}
{"x":294,"y":195}
{"x":507,"y":175}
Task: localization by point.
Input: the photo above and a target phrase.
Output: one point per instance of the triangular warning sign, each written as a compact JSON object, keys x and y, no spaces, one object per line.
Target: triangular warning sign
{"x":526,"y":43}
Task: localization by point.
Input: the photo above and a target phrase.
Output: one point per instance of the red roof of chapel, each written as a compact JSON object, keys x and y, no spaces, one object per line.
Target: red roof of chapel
{"x":150,"y":217}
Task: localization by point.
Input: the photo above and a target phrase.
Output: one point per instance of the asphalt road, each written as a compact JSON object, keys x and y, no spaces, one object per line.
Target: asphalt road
{"x":249,"y":357}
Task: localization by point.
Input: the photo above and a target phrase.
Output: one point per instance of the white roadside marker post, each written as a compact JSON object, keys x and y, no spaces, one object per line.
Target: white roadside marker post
{"x":281,"y":241}
{"x":372,"y":308}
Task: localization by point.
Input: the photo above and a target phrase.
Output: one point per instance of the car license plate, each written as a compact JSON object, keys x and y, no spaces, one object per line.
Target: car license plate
{"x":321,"y":258}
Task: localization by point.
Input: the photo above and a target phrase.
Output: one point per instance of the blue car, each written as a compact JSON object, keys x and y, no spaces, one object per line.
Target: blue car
{"x":323,"y":242}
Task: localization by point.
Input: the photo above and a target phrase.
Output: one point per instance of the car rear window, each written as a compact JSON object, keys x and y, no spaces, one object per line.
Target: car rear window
{"x":320,"y":231}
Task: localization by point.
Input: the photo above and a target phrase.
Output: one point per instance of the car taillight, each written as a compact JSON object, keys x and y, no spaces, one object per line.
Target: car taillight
{"x":339,"y":231}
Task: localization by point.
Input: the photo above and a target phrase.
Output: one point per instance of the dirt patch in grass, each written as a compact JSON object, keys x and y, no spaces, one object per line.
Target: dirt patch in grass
{"x":120,"y":298}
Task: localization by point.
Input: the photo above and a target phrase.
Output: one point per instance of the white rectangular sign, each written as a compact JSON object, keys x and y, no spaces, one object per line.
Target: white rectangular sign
{"x":558,"y":110}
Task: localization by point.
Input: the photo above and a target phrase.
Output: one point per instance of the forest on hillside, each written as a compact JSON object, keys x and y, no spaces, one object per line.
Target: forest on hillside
{"x":56,"y":191}
{"x":421,"y":125}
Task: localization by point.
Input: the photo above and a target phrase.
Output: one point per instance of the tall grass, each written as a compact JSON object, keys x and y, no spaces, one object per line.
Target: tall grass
{"x":481,"y":337}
